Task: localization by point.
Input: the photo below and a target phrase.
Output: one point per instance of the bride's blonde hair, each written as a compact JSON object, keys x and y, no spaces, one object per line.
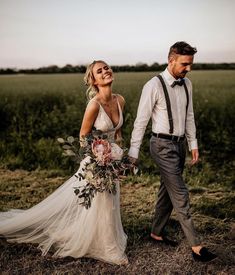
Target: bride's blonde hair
{"x":90,"y":80}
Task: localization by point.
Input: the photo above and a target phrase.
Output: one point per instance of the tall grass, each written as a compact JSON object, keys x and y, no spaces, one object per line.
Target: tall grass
{"x":36,"y":109}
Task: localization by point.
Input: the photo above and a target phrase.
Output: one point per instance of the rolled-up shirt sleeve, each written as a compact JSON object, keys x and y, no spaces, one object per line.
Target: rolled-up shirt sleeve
{"x":147,"y":101}
{"x":190,"y":128}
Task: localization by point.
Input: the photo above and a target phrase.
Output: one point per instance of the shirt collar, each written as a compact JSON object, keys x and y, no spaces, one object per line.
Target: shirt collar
{"x":168,"y":77}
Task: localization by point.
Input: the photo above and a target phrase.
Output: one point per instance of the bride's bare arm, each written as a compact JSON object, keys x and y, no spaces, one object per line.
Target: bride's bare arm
{"x":89,"y":118}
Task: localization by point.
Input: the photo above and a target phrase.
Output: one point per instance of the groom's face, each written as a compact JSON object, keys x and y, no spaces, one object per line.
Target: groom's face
{"x":180,"y":65}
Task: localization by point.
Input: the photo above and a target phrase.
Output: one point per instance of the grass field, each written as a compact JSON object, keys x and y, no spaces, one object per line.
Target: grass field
{"x":36,"y":109}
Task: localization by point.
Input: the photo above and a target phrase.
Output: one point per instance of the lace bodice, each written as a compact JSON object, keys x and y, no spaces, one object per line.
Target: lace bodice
{"x":105,"y":124}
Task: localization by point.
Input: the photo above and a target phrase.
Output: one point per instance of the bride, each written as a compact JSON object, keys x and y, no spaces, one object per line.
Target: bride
{"x":59,"y":223}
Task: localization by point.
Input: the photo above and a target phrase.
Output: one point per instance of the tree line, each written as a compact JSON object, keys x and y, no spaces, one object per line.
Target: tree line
{"x":139,"y":67}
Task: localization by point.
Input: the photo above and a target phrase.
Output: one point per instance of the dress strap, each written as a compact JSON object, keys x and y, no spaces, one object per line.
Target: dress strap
{"x":119,"y":106}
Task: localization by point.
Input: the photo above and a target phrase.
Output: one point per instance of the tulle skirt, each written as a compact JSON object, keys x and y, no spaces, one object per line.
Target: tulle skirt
{"x":61,"y":225}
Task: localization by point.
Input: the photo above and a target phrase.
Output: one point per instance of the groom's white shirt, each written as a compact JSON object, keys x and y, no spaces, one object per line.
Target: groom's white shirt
{"x":153,"y":105}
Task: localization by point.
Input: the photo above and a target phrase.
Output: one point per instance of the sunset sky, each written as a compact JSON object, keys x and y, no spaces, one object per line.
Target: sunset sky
{"x":37,"y":33}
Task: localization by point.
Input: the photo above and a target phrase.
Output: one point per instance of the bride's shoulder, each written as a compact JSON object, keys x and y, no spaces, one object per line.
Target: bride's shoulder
{"x":121,"y":100}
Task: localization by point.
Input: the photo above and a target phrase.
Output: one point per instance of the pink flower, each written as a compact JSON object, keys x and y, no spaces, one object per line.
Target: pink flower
{"x":102,"y":151}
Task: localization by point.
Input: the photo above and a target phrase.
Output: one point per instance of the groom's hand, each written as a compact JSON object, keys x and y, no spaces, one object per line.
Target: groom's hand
{"x":195,"y":156}
{"x":133,"y":160}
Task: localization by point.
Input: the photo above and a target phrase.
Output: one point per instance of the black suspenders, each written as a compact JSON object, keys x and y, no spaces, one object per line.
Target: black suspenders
{"x":187,"y":96}
{"x":168,"y":103}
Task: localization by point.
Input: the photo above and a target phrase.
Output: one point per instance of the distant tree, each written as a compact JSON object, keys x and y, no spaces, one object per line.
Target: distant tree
{"x":139,"y":67}
{"x":67,"y":69}
{"x":53,"y":69}
{"x":8,"y":71}
{"x":80,"y":69}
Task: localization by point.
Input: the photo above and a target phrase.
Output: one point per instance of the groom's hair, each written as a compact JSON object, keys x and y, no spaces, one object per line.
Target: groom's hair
{"x":181,"y":48}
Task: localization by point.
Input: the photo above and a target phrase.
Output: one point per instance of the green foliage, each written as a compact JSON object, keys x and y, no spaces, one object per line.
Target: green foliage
{"x":37,"y":109}
{"x":214,"y":101}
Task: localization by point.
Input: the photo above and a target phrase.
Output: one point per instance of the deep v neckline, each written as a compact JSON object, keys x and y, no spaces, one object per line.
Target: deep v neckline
{"x":119,"y":112}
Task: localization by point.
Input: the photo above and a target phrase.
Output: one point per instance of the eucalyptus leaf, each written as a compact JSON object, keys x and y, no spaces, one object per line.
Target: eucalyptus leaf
{"x":60,"y":140}
{"x":76,"y":191}
{"x":70,"y":139}
{"x":70,"y":153}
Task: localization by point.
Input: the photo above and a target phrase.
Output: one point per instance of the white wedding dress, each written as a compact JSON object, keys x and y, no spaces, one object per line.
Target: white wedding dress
{"x":61,"y":225}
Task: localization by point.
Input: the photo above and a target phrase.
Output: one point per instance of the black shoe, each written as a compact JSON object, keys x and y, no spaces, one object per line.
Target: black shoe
{"x":165,"y":241}
{"x":205,"y":255}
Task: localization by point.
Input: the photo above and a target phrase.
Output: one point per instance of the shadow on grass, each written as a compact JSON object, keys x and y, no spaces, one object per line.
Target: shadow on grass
{"x":138,"y":229}
{"x":222,"y":208}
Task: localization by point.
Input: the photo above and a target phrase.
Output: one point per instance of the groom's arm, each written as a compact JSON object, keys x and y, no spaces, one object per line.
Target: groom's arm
{"x":147,"y":101}
{"x":190,"y":128}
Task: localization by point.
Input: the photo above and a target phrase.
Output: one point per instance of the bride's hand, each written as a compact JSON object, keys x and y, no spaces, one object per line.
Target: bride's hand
{"x":119,"y":142}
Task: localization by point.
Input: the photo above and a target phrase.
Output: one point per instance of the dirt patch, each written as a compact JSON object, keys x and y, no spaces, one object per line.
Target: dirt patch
{"x":22,"y":189}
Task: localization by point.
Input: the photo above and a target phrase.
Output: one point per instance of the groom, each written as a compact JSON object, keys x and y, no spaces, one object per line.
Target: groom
{"x":167,"y":99}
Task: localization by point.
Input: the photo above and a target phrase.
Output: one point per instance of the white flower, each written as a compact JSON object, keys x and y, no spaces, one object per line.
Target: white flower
{"x":116,"y":152}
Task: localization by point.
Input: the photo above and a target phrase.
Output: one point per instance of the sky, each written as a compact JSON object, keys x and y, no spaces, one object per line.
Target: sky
{"x":36,"y":33}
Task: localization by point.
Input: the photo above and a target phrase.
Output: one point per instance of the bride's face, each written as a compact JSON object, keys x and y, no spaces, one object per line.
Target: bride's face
{"x":103,"y":74}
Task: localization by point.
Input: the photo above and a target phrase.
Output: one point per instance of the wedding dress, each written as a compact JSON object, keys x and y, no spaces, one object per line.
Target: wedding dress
{"x":61,"y":225}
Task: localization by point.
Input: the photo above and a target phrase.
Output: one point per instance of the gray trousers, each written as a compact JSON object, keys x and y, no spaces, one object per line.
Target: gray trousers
{"x":173,"y":193}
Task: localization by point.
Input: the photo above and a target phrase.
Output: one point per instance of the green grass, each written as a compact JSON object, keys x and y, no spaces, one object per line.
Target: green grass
{"x":36,"y":109}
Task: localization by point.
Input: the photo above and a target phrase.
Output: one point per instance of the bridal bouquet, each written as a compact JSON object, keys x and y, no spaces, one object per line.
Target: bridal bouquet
{"x":102,"y":164}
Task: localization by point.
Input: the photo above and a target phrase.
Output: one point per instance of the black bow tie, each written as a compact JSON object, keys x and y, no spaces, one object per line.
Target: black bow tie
{"x":177,"y":82}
